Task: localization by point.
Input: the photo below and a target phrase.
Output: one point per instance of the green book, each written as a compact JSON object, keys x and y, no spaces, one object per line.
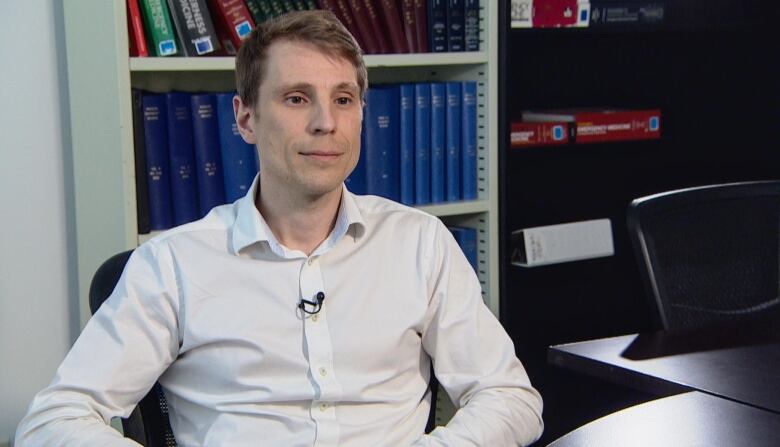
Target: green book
{"x":276,"y":7}
{"x":311,"y":5}
{"x":257,"y":11}
{"x":157,"y":21}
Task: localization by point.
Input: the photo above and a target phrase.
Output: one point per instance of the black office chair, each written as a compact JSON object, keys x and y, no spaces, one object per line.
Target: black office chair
{"x":148,"y":424}
{"x":709,"y":254}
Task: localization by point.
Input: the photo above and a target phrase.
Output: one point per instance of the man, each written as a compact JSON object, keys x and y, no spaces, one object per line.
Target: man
{"x":300,"y":315}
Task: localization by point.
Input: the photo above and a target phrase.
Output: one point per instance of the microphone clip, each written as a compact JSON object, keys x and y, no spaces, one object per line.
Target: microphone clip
{"x":317,"y":305}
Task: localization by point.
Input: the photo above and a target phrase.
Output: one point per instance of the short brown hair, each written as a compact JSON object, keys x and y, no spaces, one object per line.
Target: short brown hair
{"x":319,"y":27}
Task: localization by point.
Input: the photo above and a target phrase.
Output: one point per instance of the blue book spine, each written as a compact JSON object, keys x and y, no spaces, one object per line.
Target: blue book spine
{"x":356,"y":181}
{"x":422,"y":143}
{"x":454,"y":132}
{"x":467,"y":240}
{"x":239,"y":158}
{"x":383,"y":135}
{"x":437,"y":25}
{"x":208,"y":160}
{"x":157,"y":161}
{"x":455,"y":25}
{"x":438,"y":140}
{"x":407,"y":144}
{"x":184,"y":188}
{"x":471,"y":25}
{"x":468,"y":161}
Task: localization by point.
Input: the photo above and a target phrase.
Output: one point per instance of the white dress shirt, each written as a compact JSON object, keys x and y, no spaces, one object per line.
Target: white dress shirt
{"x":210,"y":310}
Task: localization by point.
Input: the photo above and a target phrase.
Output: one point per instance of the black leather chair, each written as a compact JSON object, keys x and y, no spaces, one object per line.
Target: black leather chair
{"x":709,"y":254}
{"x":149,"y":424}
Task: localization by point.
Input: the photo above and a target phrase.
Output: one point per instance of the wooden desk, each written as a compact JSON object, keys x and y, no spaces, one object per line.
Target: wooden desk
{"x":737,"y":363}
{"x":688,"y":419}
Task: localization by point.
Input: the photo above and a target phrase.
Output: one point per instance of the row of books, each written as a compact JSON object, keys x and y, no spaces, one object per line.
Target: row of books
{"x":189,"y":156}
{"x":584,"y":13}
{"x":555,"y":127}
{"x":419,"y":143}
{"x":467,"y":241}
{"x":217,"y":27}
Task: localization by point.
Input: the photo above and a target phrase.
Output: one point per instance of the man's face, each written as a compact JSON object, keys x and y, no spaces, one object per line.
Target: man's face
{"x":306,"y":123}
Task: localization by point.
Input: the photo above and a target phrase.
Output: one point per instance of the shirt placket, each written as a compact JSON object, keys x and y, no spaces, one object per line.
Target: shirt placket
{"x":320,"y":355}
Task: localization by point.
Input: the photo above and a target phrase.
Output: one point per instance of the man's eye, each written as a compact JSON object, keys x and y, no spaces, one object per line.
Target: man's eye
{"x":344,"y":101}
{"x":295,"y":99}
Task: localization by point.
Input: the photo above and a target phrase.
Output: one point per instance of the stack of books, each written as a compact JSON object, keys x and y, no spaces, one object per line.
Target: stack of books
{"x":555,"y":127}
{"x":419,"y":143}
{"x":217,"y":27}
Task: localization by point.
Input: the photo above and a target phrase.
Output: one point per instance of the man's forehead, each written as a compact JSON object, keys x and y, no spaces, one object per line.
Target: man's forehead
{"x":292,"y":63}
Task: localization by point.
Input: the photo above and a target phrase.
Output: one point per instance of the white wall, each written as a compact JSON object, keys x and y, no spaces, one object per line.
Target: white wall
{"x":37,"y":307}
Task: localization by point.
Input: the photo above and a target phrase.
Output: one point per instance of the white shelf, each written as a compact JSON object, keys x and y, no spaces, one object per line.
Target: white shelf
{"x":159,"y":64}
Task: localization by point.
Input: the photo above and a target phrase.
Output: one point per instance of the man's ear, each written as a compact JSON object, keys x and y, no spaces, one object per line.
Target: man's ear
{"x":245,"y":120}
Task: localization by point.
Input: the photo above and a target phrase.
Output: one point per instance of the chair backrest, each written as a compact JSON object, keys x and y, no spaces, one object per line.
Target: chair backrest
{"x":709,"y":254}
{"x":148,"y":424}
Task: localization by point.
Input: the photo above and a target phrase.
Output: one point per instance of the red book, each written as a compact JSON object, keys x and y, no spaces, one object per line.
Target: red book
{"x":524,"y":134}
{"x":135,"y":29}
{"x":600,"y":125}
{"x":553,"y":13}
{"x":233,"y":22}
{"x":363,"y":26}
{"x":392,"y":18}
{"x":340,"y":9}
{"x":421,"y":25}
{"x":410,"y":26}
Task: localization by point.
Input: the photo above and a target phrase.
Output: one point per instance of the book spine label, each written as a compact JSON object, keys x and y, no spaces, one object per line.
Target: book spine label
{"x":437,"y":25}
{"x":454,"y":132}
{"x":618,"y":126}
{"x":139,"y":147}
{"x":182,"y":158}
{"x":469,"y":140}
{"x":407,"y":144}
{"x":438,"y":141}
{"x":521,"y":14}
{"x":422,"y":143}
{"x":554,"y":13}
{"x":382,"y":130}
{"x":157,"y":19}
{"x":135,"y":27}
{"x":239,"y":159}
{"x":524,"y":134}
{"x":471,"y":25}
{"x":622,"y":12}
{"x":157,"y":162}
{"x":208,"y":160}
{"x":193,"y":23}
{"x":455,"y":25}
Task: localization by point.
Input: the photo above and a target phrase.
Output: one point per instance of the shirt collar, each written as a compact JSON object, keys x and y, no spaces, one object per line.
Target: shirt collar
{"x":250,"y":227}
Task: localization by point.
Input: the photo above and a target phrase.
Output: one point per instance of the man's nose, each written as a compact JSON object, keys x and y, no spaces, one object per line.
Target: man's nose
{"x":322,"y":119}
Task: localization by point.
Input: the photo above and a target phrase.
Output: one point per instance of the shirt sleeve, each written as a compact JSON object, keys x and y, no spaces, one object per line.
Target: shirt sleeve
{"x":119,"y":355}
{"x":474,"y":360}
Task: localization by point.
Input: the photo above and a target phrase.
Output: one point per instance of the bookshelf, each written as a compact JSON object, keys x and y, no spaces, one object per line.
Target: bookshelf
{"x":100,"y":78}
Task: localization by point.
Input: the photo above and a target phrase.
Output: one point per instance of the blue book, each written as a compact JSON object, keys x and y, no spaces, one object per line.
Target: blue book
{"x":239,"y":158}
{"x":438,"y":142}
{"x":383,"y":135}
{"x":139,"y":146}
{"x":471,"y":25}
{"x":468,"y":160}
{"x":452,"y":159}
{"x":356,"y":181}
{"x":437,"y":26}
{"x":208,"y":160}
{"x":184,"y":187}
{"x":157,"y":161}
{"x":455,"y":25}
{"x":407,"y":144}
{"x":467,"y":240}
{"x":422,"y":143}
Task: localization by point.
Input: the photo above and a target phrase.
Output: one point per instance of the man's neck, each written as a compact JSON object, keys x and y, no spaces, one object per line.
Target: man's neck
{"x":298,"y":223}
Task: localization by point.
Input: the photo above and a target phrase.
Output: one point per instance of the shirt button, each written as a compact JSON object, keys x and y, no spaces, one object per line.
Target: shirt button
{"x":310,"y":261}
{"x":315,"y":317}
{"x":323,"y":406}
{"x":323,"y":371}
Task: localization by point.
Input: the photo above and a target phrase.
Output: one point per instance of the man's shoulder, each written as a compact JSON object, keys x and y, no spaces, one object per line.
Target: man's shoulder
{"x":372,"y":207}
{"x":218,"y":221}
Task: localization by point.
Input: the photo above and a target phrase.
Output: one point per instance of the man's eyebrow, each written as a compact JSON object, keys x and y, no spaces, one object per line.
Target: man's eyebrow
{"x":347,"y":86}
{"x":306,"y":87}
